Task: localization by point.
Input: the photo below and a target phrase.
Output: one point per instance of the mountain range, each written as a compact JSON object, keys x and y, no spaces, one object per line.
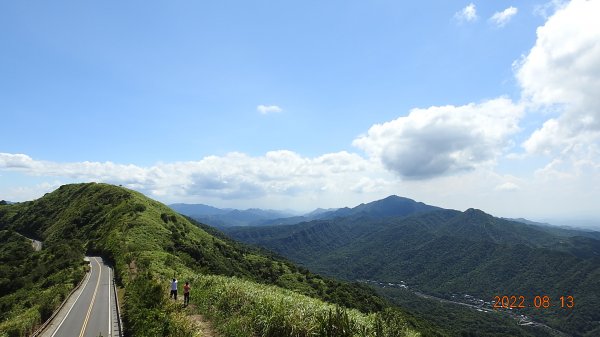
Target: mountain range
{"x":217,"y":217}
{"x":397,"y":249}
{"x":228,"y":217}
{"x":443,"y":252}
{"x":243,"y":291}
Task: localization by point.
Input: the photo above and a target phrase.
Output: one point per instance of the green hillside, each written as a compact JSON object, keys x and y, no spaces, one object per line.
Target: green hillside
{"x":33,"y":283}
{"x":445,"y":252}
{"x":149,"y":243}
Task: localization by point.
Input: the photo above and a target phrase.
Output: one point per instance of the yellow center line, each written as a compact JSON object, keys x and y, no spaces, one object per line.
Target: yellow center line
{"x":87,"y":317}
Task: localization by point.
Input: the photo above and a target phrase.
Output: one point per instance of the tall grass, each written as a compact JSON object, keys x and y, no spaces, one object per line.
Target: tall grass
{"x":241,"y":308}
{"x":22,"y":324}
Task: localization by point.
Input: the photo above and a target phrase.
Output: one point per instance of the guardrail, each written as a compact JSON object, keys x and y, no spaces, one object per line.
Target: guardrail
{"x":118,"y":308}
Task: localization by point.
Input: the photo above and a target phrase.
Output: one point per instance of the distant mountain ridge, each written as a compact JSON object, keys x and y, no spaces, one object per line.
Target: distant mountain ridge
{"x":219,"y":217}
{"x":442,"y":251}
{"x":194,"y":210}
{"x":387,"y":207}
{"x":562,"y":230}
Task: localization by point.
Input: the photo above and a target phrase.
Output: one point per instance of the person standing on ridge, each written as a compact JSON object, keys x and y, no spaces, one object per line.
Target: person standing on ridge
{"x":186,"y":293}
{"x":173,"y":289}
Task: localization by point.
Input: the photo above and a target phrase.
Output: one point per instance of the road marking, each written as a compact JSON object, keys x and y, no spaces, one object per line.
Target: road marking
{"x":88,"y":276}
{"x":87,"y":317}
{"x":109,"y":308}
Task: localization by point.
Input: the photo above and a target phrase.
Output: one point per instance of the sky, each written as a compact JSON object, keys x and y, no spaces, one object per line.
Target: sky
{"x":304,"y":104}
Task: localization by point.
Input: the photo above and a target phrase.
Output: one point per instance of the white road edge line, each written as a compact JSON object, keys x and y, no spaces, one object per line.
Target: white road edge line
{"x":72,"y":305}
{"x":109,"y":308}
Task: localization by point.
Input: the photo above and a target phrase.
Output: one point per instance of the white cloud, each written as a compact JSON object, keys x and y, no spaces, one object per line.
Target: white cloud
{"x":22,"y":193}
{"x":234,"y":176}
{"x":508,"y":186}
{"x":549,"y":8}
{"x":500,"y":19}
{"x":15,"y":161}
{"x":562,"y":71}
{"x":268,"y":109}
{"x":443,"y":140}
{"x":467,"y":14}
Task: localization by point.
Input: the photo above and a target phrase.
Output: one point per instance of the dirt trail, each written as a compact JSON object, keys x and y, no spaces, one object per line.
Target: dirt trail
{"x":200,"y":322}
{"x":203,"y":325}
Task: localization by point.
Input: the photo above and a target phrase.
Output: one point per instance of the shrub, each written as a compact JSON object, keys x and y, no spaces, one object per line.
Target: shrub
{"x":22,"y":324}
{"x":139,"y":208}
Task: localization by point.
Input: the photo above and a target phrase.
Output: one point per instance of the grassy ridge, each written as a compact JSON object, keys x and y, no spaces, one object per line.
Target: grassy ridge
{"x":149,"y":243}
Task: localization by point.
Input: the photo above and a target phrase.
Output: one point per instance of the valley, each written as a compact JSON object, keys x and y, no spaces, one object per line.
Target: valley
{"x":442,"y":252}
{"x":474,"y":303}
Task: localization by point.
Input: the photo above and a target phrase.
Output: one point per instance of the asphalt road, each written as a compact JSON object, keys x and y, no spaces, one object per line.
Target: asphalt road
{"x":90,"y":311}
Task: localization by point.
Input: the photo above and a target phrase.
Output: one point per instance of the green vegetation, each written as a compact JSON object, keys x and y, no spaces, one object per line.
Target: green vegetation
{"x":251,"y":309}
{"x":33,"y":284}
{"x":148,"y":244}
{"x":444,"y":252}
{"x":147,"y":311}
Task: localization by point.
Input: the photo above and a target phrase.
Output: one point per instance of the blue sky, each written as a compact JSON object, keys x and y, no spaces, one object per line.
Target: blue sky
{"x":164,"y":97}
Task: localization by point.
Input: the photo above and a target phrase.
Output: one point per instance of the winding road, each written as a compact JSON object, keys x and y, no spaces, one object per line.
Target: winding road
{"x":91,"y":310}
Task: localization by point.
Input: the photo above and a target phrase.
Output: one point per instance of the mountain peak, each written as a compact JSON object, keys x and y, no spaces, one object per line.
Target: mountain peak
{"x":396,"y":197}
{"x":475,"y":211}
{"x":392,"y":205}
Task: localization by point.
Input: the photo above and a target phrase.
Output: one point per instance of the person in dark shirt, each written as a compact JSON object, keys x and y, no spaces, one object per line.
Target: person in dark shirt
{"x":186,"y":293}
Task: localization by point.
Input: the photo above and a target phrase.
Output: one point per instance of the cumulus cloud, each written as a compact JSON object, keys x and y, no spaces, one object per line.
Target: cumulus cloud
{"x":562,"y":71}
{"x":21,"y":193}
{"x":233,"y":176}
{"x":443,"y":140}
{"x":268,"y":109}
{"x":467,"y":14}
{"x":500,"y":19}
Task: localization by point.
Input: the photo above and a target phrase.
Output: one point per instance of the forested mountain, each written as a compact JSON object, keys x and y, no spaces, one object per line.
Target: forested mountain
{"x":219,"y":217}
{"x":245,"y":291}
{"x":444,"y":252}
{"x":390,"y":206}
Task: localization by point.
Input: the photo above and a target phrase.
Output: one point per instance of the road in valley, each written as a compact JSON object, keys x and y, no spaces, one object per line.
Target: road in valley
{"x":91,"y":310}
{"x":37,"y":245}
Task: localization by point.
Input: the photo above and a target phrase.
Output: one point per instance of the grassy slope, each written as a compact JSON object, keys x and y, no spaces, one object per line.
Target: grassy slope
{"x":149,"y":243}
